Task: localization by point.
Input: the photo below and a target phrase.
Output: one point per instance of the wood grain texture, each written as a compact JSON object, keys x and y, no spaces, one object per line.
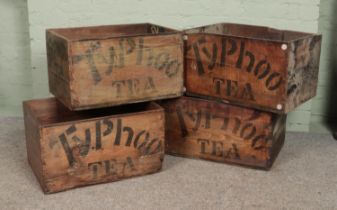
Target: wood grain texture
{"x":113,"y":65}
{"x":221,"y":132}
{"x":69,"y":149}
{"x":252,"y":66}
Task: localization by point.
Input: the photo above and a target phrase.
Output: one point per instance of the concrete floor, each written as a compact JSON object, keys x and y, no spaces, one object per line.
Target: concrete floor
{"x":303,"y":177}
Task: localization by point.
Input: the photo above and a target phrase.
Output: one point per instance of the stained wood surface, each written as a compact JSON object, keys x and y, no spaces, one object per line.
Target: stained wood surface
{"x":252,"y":66}
{"x":105,"y":66}
{"x":220,"y":132}
{"x":83,"y":148}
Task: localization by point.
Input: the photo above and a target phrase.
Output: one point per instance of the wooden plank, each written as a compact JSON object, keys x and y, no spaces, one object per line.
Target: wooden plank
{"x":221,"y":132}
{"x":113,"y":65}
{"x":69,"y":149}
{"x":252,"y":66}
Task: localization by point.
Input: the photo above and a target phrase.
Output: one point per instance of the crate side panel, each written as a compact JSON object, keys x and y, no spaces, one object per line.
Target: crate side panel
{"x":32,"y":134}
{"x":126,"y":70}
{"x":58,"y":67}
{"x":218,"y":132}
{"x":103,"y":150}
{"x":239,"y":70}
{"x":304,"y":56}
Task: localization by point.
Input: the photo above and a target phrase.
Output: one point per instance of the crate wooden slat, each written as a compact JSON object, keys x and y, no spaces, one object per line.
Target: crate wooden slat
{"x":101,"y":66}
{"x":253,"y":66}
{"x":210,"y":130}
{"x":68,"y":149}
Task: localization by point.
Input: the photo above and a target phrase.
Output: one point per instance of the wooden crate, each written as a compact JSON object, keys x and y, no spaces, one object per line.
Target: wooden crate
{"x":210,"y":130}
{"x":68,"y":149}
{"x":103,"y":66}
{"x":258,"y":67}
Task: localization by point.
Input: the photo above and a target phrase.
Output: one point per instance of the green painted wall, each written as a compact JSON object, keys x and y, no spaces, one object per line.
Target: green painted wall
{"x":15,"y":71}
{"x":22,"y":46}
{"x":324,"y":106}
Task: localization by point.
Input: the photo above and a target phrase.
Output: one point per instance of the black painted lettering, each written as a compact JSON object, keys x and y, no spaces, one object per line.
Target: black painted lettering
{"x":182,"y":123}
{"x":140,"y":51}
{"x":110,"y":168}
{"x":241,"y":55}
{"x":224,"y":51}
{"x":232,"y":88}
{"x":149,"y":85}
{"x":200,"y":67}
{"x":233,"y":153}
{"x":148,"y":150}
{"x":98,"y":135}
{"x":172,"y":68}
{"x":129,"y":164}
{"x":225,"y":123}
{"x":94,"y":168}
{"x":248,"y":131}
{"x":217,"y":148}
{"x":203,"y":143}
{"x":212,"y":57}
{"x":251,"y":61}
{"x":197,"y":121}
{"x":71,"y":129}
{"x":161,"y":61}
{"x":118,"y":132}
{"x":111,"y":61}
{"x":137,"y":139}
{"x":237,"y":124}
{"x":247,"y":92}
{"x":150,"y":57}
{"x":259,"y":142}
{"x":133,"y":86}
{"x":130,"y":135}
{"x":91,"y":61}
{"x":157,"y":149}
{"x":109,"y":128}
{"x":118,"y":85}
{"x":265,"y":72}
{"x":121,"y":53}
{"x":218,"y":82}
{"x":67,"y":150}
{"x":84,"y":147}
{"x":274,"y":81}
{"x":132,"y":45}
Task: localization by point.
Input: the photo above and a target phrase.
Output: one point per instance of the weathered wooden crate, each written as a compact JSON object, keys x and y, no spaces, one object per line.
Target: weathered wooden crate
{"x":102,"y":66}
{"x":259,"y":67}
{"x":68,"y":149}
{"x":215,"y":131}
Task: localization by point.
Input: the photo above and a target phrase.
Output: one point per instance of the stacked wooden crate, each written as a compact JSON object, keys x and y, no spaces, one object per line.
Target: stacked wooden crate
{"x":70,"y":142}
{"x":240,"y":81}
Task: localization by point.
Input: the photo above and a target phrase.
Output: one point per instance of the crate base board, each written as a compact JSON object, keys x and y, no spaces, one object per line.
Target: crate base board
{"x":269,"y":165}
{"x":220,"y":132}
{"x":67,"y":149}
{"x":231,"y":102}
{"x":46,"y":191}
{"x":104,"y":105}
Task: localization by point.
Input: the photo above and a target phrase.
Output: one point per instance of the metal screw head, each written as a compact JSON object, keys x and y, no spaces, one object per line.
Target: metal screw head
{"x":284,"y":47}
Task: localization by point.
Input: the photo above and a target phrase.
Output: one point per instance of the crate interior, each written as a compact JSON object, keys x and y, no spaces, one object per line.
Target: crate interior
{"x":249,"y":31}
{"x":110,"y":31}
{"x":50,"y":111}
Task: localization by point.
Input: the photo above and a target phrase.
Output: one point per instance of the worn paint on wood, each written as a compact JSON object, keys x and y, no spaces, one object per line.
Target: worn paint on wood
{"x":103,"y":66}
{"x":68,"y":149}
{"x":221,"y":132}
{"x":252,"y":66}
